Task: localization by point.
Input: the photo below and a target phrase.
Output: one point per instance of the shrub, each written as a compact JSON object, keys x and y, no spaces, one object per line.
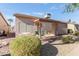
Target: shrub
{"x":67,"y":39}
{"x":76,"y":34}
{"x":25,"y":46}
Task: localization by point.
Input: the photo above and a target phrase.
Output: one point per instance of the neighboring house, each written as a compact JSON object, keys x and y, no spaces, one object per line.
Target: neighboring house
{"x":4,"y":26}
{"x":25,"y":23}
{"x":74,"y":27}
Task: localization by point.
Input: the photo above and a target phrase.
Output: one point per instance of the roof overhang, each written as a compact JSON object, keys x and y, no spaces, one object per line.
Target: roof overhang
{"x":33,"y":18}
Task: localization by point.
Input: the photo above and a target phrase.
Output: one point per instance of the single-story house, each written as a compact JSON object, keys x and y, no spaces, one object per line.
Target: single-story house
{"x":26,"y":23}
{"x":4,"y":26}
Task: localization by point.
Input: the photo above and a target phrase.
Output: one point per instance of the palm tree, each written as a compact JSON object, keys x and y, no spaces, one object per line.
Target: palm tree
{"x":72,"y":7}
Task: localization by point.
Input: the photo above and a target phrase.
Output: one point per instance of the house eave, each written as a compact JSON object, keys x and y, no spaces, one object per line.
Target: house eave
{"x":35,"y":18}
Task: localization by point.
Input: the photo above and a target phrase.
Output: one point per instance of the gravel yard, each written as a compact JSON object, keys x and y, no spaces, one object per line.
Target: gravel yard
{"x":55,"y":48}
{"x":4,"y":46}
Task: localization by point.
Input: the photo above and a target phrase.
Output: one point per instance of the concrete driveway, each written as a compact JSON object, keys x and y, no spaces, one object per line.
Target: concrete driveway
{"x":58,"y":49}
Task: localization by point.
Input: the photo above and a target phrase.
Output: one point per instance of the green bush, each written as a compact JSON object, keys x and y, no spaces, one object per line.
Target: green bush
{"x":67,"y":39}
{"x":25,"y":46}
{"x":76,"y":34}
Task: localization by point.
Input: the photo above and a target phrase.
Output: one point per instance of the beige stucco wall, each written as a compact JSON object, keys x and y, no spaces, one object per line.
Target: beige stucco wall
{"x":61,"y":28}
{"x":47,"y":28}
{"x":24,"y":25}
{"x":3,"y":25}
{"x":55,"y":28}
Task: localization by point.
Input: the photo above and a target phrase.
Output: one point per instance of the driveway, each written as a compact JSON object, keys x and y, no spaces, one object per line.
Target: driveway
{"x":59,"y":49}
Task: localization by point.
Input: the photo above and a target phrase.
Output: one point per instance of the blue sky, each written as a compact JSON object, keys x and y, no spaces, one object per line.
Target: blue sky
{"x":39,"y":10}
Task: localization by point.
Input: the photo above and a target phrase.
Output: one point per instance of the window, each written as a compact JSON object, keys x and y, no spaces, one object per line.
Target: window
{"x":29,"y":28}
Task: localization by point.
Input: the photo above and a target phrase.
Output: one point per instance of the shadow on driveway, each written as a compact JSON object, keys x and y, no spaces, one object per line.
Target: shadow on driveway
{"x":48,"y":50}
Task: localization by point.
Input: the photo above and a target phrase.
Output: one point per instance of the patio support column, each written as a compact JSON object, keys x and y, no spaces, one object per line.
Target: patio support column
{"x":39,"y":25}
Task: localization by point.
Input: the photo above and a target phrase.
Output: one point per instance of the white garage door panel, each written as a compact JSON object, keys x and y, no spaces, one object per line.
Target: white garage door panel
{"x":29,"y":28}
{"x":23,"y":27}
